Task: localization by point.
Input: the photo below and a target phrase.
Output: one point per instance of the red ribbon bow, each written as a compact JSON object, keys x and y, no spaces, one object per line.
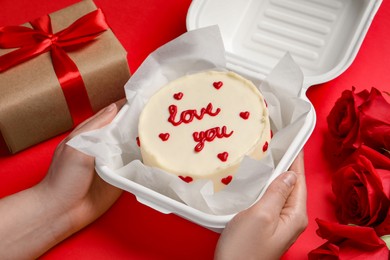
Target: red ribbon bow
{"x":40,"y":39}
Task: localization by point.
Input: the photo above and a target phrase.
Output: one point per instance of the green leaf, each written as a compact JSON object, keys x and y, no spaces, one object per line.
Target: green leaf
{"x":386,"y":238}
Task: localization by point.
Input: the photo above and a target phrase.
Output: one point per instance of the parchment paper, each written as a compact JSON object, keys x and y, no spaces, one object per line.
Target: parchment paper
{"x":202,"y":49}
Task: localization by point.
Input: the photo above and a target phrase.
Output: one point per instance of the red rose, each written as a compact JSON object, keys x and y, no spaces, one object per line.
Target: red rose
{"x":348,"y":242}
{"x":361,"y":118}
{"x":362,"y":188}
{"x":343,"y":121}
{"x":374,"y":121}
{"x":384,"y":228}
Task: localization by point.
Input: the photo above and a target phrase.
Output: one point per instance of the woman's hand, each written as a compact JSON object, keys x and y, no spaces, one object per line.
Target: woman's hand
{"x":268,"y":228}
{"x":72,"y":182}
{"x":70,"y":197}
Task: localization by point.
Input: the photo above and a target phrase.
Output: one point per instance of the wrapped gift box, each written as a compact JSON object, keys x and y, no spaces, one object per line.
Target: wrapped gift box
{"x":33,"y":107}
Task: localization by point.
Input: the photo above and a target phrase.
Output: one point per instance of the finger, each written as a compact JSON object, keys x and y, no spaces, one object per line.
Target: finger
{"x":299,"y":195}
{"x":120,"y":103}
{"x":100,"y":119}
{"x":277,"y":194}
{"x":299,"y":168}
{"x":298,"y":164}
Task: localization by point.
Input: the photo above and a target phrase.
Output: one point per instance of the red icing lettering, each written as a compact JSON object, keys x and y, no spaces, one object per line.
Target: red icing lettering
{"x":244,"y":115}
{"x":178,"y":96}
{"x":164,"y":136}
{"x":187,"y":116}
{"x":218,"y":84}
{"x":138,"y":141}
{"x":209,"y":135}
{"x":223,"y":156}
{"x":227,"y":179}
{"x":187,"y":179}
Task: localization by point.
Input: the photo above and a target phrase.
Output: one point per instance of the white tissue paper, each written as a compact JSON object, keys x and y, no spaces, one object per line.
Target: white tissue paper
{"x":115,"y":148}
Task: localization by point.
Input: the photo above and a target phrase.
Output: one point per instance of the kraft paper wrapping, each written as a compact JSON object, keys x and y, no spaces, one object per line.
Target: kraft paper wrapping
{"x":32,"y":105}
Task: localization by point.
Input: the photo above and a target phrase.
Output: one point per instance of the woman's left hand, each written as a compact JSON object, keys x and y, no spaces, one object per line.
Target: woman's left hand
{"x":72,"y":182}
{"x":70,"y":197}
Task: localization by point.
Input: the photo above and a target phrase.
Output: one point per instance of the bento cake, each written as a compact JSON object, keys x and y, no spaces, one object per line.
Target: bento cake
{"x":200,"y":126}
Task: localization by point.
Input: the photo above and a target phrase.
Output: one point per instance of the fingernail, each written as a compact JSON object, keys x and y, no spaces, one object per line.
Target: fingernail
{"x":290,"y":178}
{"x":110,"y":107}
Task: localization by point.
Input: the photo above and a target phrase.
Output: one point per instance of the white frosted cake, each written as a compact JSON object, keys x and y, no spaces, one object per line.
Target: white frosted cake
{"x":200,"y":126}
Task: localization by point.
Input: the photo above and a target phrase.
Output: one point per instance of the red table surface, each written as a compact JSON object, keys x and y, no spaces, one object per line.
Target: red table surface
{"x":130,"y":230}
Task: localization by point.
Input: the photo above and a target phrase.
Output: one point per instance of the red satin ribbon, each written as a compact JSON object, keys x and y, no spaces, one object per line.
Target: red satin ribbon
{"x":40,"y":39}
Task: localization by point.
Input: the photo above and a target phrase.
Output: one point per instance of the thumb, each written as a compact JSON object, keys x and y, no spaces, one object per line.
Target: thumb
{"x":100,"y":119}
{"x":277,"y":193}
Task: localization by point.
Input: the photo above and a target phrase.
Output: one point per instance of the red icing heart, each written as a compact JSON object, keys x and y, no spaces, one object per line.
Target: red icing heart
{"x":164,"y":136}
{"x":223,"y":156}
{"x":265,"y":147}
{"x":218,"y":84}
{"x":227,"y":179}
{"x":178,"y":96}
{"x":187,"y":179}
{"x":244,"y":115}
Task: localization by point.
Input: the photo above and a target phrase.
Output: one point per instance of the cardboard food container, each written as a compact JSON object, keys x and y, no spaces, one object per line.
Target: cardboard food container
{"x":322,"y":38}
{"x":32,"y":105}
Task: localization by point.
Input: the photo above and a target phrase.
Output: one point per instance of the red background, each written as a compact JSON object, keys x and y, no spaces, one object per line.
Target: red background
{"x":130,"y":230}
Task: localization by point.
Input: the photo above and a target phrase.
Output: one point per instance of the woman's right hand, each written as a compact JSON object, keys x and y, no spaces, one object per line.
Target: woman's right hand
{"x":269,"y":227}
